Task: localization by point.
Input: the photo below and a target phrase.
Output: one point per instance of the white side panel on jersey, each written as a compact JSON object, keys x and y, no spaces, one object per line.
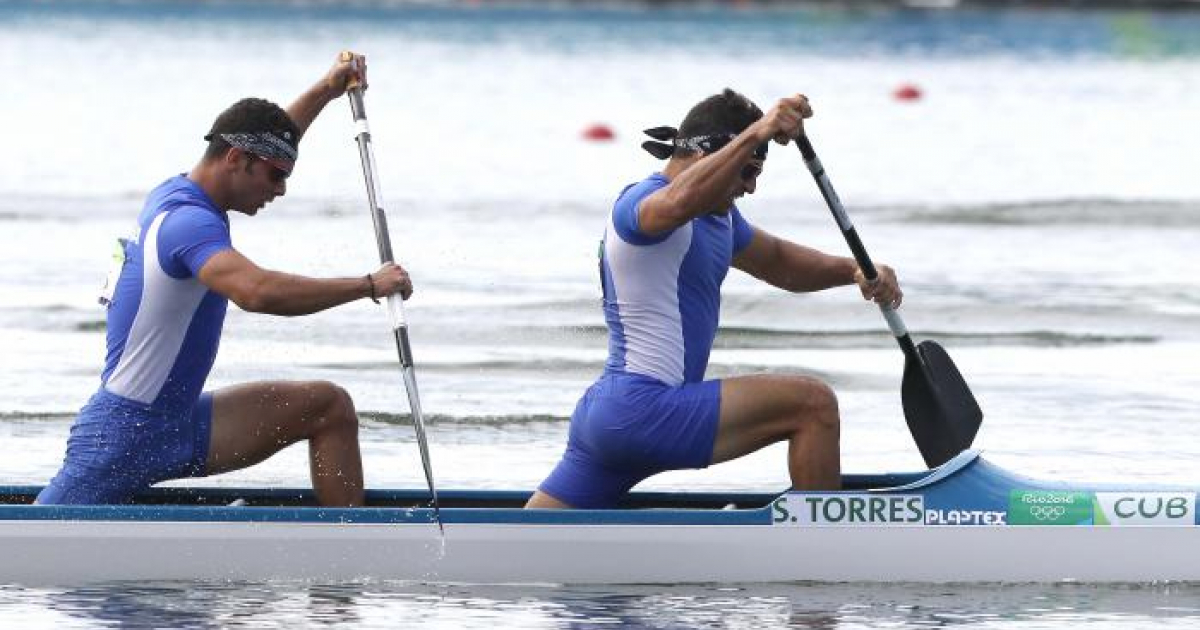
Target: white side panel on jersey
{"x":163,"y":318}
{"x":645,"y":281}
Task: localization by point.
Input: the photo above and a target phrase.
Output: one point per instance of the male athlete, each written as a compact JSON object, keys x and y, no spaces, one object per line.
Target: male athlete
{"x":669,"y":243}
{"x":150,"y":420}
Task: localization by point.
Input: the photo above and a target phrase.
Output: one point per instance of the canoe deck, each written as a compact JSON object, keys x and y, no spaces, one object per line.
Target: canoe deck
{"x":454,"y":499}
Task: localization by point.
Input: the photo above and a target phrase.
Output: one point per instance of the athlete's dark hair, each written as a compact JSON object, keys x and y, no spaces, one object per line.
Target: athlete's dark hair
{"x":727,"y":112}
{"x":250,"y":115}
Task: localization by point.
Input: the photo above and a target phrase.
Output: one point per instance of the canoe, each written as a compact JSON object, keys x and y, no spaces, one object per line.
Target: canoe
{"x":965,"y":521}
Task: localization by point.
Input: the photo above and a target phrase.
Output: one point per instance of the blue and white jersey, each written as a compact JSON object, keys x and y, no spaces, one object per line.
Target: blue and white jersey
{"x":163,"y":324}
{"x":662,"y":293}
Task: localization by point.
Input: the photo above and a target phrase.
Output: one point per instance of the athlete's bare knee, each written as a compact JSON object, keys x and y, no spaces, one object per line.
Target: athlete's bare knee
{"x":541,"y":500}
{"x":817,"y":406}
{"x":336,"y":407}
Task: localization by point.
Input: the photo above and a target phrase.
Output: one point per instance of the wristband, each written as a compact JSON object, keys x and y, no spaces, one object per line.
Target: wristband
{"x":374,"y":296}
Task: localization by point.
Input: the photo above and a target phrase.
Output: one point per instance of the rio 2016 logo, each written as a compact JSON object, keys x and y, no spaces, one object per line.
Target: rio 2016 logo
{"x":1049,"y":507}
{"x":1047,"y":512}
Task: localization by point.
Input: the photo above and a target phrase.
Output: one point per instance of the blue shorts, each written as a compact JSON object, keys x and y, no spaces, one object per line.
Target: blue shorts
{"x":118,"y":449}
{"x":628,"y":427}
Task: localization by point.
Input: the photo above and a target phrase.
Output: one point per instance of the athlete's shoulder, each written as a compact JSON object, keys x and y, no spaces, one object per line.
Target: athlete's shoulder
{"x":178,"y":192}
{"x":635,"y":192}
{"x":743,"y":230}
{"x":189,"y":206}
{"x":190,"y":229}
{"x":625,"y":210}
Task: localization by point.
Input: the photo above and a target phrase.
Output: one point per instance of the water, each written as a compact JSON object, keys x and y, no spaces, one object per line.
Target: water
{"x":224,"y":605}
{"x":1040,"y":204}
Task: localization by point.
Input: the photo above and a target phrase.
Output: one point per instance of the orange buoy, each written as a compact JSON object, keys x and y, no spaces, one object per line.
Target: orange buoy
{"x":907,"y":92}
{"x":598,"y":132}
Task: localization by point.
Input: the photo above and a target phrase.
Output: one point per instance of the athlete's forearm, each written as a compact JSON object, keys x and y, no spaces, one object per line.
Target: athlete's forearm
{"x":307,"y":106}
{"x":794,"y":267}
{"x":705,"y":185}
{"x":811,"y":270}
{"x":701,"y":189}
{"x":288,"y":294}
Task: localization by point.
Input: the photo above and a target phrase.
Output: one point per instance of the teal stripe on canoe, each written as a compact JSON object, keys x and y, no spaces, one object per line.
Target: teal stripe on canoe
{"x":369,"y":515}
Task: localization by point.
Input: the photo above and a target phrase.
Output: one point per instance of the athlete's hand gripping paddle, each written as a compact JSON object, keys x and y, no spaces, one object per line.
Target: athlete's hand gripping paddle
{"x":941,"y":411}
{"x":395,"y":304}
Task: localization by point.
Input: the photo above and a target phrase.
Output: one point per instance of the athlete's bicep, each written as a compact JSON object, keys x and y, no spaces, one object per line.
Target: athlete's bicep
{"x":743,"y":232}
{"x":188,"y":237}
{"x":234,"y":276}
{"x":657,"y":215}
{"x":759,"y":255}
{"x":630,"y":218}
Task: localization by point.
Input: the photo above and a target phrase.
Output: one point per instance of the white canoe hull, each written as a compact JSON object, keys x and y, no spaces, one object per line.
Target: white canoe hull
{"x":88,"y":552}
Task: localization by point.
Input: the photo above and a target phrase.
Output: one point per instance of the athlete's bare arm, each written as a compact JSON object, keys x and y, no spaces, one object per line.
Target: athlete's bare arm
{"x":261,"y":290}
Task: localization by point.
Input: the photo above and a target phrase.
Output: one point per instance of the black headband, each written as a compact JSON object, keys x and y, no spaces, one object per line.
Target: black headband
{"x":277,"y":148}
{"x":710,"y":143}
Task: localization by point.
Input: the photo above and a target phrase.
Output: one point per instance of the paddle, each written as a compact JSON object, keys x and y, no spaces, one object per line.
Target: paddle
{"x":942,"y":414}
{"x":394,"y":302}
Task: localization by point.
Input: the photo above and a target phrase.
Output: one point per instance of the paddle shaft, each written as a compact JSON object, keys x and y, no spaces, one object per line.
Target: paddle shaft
{"x":395,"y":304}
{"x":940,"y":409}
{"x":894,"y":321}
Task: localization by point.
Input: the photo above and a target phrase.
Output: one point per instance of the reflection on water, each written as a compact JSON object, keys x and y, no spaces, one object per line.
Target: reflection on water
{"x":824,"y":606}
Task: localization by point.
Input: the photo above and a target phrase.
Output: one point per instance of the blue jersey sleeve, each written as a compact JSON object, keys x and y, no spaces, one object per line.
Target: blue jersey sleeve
{"x":625,"y":212}
{"x":188,"y":237}
{"x":743,"y":232}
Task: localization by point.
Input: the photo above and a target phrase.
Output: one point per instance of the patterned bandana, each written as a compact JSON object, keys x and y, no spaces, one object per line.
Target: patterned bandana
{"x":278,"y":150}
{"x":710,"y":143}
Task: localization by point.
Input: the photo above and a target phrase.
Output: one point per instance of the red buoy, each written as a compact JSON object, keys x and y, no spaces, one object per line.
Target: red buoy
{"x":598,"y":132}
{"x":907,"y":92}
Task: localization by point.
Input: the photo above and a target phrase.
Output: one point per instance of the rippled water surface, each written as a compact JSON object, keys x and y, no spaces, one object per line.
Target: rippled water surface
{"x":384,"y":605}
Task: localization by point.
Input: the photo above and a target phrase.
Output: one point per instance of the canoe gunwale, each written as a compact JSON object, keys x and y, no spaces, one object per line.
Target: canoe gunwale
{"x":653,"y":508}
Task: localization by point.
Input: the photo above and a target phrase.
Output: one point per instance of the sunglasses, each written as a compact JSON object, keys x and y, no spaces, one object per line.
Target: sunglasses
{"x":750,"y":171}
{"x":276,"y":174}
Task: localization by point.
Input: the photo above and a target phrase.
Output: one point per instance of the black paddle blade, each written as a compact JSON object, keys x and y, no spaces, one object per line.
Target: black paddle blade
{"x":941,"y":411}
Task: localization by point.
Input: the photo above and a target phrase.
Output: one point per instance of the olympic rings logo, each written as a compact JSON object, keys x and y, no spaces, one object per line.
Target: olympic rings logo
{"x":1047,"y":512}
